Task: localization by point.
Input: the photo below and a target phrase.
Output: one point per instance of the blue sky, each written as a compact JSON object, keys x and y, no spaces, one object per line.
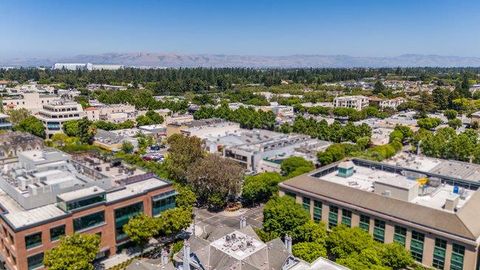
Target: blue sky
{"x":253,"y":27}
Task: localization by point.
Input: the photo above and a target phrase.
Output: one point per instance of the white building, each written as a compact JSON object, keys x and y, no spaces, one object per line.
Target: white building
{"x":86,"y":66}
{"x":355,"y":102}
{"x":115,"y":113}
{"x":32,"y":101}
{"x":70,"y":66}
{"x":53,"y":115}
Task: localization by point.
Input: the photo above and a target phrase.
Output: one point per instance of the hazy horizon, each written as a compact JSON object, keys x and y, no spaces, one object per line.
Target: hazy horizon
{"x":369,"y":28}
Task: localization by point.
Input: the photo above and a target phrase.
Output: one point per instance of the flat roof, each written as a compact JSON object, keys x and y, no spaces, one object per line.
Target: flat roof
{"x":80,"y":193}
{"x":238,"y":245}
{"x":423,"y":212}
{"x":452,"y":168}
{"x":364,"y":178}
{"x":19,"y":217}
{"x":136,"y":189}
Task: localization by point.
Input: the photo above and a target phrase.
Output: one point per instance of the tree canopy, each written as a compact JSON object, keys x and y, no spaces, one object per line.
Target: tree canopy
{"x":75,"y":251}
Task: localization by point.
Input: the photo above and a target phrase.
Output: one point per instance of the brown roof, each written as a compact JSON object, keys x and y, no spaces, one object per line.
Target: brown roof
{"x":463,"y":223}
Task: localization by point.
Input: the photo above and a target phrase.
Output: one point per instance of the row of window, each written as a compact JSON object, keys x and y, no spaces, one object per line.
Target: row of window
{"x":400,"y":235}
{"x":122,"y":216}
{"x":35,"y":240}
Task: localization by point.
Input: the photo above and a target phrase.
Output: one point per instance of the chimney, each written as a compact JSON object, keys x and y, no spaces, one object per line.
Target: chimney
{"x":164,"y":256}
{"x":288,"y":243}
{"x":186,"y":255}
{"x":243,"y":222}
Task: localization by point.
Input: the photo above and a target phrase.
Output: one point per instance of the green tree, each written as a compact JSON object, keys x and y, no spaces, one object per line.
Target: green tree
{"x":71,"y":128}
{"x":450,"y":114}
{"x":293,"y":166}
{"x":365,"y":259}
{"x":183,"y":152}
{"x":127,"y":147}
{"x":441,"y":98}
{"x":343,"y":241}
{"x":31,"y":125}
{"x":186,"y":198}
{"x":282,"y":215}
{"x":378,"y":88}
{"x":260,"y":187}
{"x":429,"y":123}
{"x":172,"y":221}
{"x":214,"y":179}
{"x":395,"y":256}
{"x":143,"y":120}
{"x":309,"y":251}
{"x":155,"y":117}
{"x":311,"y":232}
{"x":75,"y":251}
{"x":141,"y":229}
{"x":455,"y":123}
{"x":17,"y":116}
{"x":86,"y":131}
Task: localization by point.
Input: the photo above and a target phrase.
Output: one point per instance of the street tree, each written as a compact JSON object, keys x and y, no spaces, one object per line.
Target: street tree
{"x":214,"y":179}
{"x":260,"y":187}
{"x":75,"y":251}
{"x":282,"y":215}
{"x":183,"y":152}
{"x":141,"y":229}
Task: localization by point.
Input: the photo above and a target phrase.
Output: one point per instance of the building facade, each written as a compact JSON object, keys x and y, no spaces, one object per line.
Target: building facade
{"x":31,"y":101}
{"x":432,"y":216}
{"x":116,"y":113}
{"x":53,"y":115}
{"x":355,"y":102}
{"x":52,"y":195}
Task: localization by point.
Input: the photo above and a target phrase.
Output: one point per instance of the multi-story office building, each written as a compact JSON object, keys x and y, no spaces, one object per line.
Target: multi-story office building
{"x":56,"y":113}
{"x":434,"y":216}
{"x":48,"y":194}
{"x":355,"y":102}
{"x":31,"y":101}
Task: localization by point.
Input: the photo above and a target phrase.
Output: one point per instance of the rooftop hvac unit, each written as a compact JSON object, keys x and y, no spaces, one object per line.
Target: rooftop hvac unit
{"x":412,"y":175}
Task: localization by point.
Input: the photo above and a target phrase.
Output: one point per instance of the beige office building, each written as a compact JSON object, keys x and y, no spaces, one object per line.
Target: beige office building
{"x":434,"y":216}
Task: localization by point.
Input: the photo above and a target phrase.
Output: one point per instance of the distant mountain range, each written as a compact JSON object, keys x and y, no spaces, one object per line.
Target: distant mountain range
{"x":220,"y":60}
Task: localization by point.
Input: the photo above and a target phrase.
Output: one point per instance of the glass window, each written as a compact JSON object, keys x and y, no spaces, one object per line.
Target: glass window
{"x":458,"y":252}
{"x":160,"y":205}
{"x":379,"y":231}
{"x":400,"y":235}
{"x":33,"y":240}
{"x":347,"y":217}
{"x":416,"y":246}
{"x":333,"y":216}
{"x":123,"y":215}
{"x":88,"y":221}
{"x":85,"y":202}
{"x":306,"y":204}
{"x":35,"y":261}
{"x":57,"y":232}
{"x":439,"y":253}
{"x":364,"y":223}
{"x":317,"y":211}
